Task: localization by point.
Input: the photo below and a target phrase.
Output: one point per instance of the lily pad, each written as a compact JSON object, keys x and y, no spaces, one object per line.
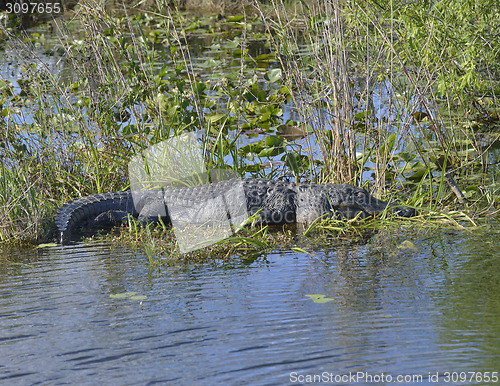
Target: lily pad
{"x":264,"y":57}
{"x":138,"y":297}
{"x":46,"y":245}
{"x":319,"y":298}
{"x":407,"y":244}
{"x":127,"y":295}
{"x":274,"y":140}
{"x":273,"y":75}
{"x":122,"y":295}
{"x":294,"y":132}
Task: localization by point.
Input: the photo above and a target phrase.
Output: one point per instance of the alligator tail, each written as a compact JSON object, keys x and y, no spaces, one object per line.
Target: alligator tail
{"x":73,"y":215}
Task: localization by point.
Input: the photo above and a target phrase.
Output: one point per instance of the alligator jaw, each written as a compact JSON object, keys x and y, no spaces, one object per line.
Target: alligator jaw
{"x":362,"y":201}
{"x":403,"y":211}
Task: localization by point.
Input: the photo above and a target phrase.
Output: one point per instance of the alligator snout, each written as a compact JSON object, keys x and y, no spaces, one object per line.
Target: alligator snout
{"x":404,"y":211}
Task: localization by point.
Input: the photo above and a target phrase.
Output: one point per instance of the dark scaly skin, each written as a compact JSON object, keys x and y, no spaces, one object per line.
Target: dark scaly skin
{"x":276,"y":202}
{"x":85,"y":212}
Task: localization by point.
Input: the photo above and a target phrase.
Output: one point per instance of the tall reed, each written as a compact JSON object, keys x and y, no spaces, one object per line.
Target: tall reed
{"x":384,"y":86}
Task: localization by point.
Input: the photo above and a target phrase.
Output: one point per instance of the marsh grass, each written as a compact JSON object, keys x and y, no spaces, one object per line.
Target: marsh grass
{"x":254,"y":243}
{"x":158,"y":243}
{"x":413,"y":57}
{"x":114,"y":93}
{"x":160,"y":247}
{"x":69,"y":140}
{"x":21,"y":209}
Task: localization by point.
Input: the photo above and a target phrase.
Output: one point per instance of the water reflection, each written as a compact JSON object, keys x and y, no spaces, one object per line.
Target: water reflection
{"x":396,"y":311}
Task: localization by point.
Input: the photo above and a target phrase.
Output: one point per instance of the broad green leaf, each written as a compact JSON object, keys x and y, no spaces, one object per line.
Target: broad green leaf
{"x":273,"y":75}
{"x":386,"y":148}
{"x":235,"y":18}
{"x":264,"y":57}
{"x":274,"y":140}
{"x":213,"y":118}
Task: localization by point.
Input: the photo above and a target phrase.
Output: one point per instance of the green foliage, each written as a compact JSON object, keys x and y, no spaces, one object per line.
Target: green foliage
{"x":458,"y":37}
{"x":388,"y":96}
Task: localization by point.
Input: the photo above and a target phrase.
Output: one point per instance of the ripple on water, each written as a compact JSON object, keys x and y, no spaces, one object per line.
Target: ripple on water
{"x":393,"y":311}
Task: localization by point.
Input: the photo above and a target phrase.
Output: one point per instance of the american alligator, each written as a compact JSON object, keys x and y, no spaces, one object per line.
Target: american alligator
{"x":276,"y":202}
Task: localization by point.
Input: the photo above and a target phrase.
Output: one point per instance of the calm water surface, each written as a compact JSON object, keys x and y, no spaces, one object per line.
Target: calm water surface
{"x":395,"y":311}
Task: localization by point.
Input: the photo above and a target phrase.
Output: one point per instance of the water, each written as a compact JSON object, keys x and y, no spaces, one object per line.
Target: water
{"x":393,"y":311}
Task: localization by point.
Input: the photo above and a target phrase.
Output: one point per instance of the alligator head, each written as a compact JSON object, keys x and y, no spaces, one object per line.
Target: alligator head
{"x":358,"y":202}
